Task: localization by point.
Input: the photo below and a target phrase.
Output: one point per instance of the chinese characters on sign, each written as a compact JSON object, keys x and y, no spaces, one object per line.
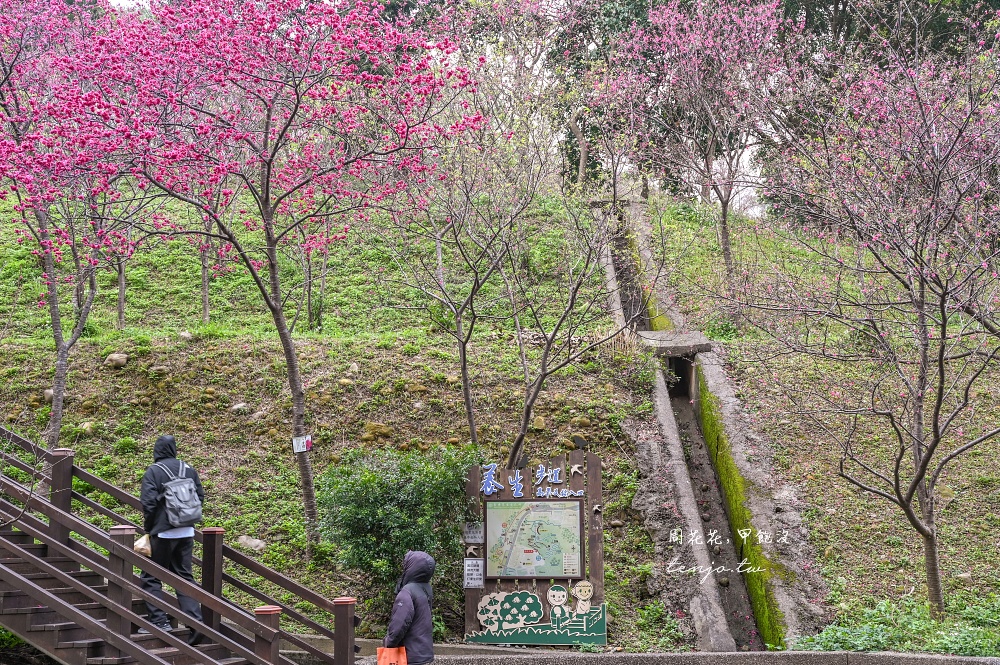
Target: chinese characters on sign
{"x":475,"y":577}
{"x":713,"y":537}
{"x":542,"y":528}
{"x":302,"y":444}
{"x":472,"y":533}
{"x":548,"y":475}
{"x":490,"y":484}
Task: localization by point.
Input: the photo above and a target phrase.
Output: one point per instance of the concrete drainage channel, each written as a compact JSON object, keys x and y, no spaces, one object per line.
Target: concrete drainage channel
{"x":722,"y":483}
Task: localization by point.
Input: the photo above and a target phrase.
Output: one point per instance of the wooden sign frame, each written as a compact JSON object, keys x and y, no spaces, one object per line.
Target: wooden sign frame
{"x":581,"y":472}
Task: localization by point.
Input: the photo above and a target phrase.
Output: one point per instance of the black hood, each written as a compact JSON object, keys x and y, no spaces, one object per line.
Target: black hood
{"x":417,"y":567}
{"x":166,"y":448}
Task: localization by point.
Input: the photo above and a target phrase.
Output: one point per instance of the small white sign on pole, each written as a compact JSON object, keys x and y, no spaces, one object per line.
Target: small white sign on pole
{"x":302,"y":444}
{"x":475,"y":574}
{"x":472,"y":533}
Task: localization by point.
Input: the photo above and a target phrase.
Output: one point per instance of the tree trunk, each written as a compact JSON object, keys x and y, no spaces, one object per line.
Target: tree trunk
{"x":322,"y":292}
{"x":706,"y":185}
{"x":78,"y":287}
{"x":581,"y":140}
{"x":51,"y":433}
{"x":308,"y":295}
{"x":935,"y":595}
{"x":121,"y":294}
{"x":727,"y":248}
{"x":463,"y":359}
{"x":529,"y":406}
{"x":298,"y":394}
{"x":204,"y":286}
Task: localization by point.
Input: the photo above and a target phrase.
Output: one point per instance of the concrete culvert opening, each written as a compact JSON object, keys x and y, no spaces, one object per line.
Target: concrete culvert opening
{"x":680,"y":370}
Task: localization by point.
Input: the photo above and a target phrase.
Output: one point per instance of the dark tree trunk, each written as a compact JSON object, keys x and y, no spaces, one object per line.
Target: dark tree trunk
{"x":322,"y":292}
{"x":63,"y":345}
{"x":295,"y":385}
{"x":51,"y":433}
{"x":706,"y":185}
{"x":78,"y":287}
{"x":311,"y":322}
{"x":121,"y":294}
{"x":204,"y":286}
{"x":935,"y":593}
{"x":726,"y":244}
{"x":530,"y":398}
{"x":463,"y":359}
{"x":581,"y":169}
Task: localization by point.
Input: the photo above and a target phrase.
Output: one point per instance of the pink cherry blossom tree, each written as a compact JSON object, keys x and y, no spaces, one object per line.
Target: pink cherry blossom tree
{"x":278,"y":123}
{"x":694,"y":78}
{"x":67,"y":201}
{"x":887,"y":189}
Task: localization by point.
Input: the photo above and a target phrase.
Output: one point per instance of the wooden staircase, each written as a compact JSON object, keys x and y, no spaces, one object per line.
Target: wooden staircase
{"x":71,"y":589}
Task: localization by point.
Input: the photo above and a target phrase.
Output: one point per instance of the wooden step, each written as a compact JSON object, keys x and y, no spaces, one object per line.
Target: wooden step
{"x":46,"y":581}
{"x":176,"y":658}
{"x":38,"y":549}
{"x":15,"y":536}
{"x":17,"y":598}
{"x":65,"y":631}
{"x":58,"y":562}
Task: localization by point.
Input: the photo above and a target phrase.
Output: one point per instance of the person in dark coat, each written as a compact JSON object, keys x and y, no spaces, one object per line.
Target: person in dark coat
{"x":171,"y":546}
{"x":411,"y":624}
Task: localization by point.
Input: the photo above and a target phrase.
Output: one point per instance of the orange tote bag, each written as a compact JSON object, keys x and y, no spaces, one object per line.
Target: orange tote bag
{"x":393,"y":656}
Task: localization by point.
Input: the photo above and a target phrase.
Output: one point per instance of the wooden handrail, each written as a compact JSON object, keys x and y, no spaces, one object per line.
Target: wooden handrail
{"x":260,"y":595}
{"x":100,"y":598}
{"x":275,"y":577}
{"x":233,"y":555}
{"x":100,"y":538}
{"x":106,"y":487}
{"x":212,"y":602}
{"x":24,"y":444}
{"x":120,"y":520}
{"x":27,"y":468}
{"x":36,"y":529}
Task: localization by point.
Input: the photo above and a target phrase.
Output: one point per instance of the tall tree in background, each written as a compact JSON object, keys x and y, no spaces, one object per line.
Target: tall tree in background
{"x":692,"y":77}
{"x":272,"y":120}
{"x":895,"y":180}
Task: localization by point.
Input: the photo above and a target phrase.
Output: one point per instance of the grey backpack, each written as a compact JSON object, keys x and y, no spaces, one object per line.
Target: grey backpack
{"x":181,"y":498}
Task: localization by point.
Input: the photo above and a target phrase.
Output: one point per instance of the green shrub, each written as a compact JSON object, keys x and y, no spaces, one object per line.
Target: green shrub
{"x":9,"y":640}
{"x":656,"y":627}
{"x":375,"y":505}
{"x":126,"y":446}
{"x":906,"y":625}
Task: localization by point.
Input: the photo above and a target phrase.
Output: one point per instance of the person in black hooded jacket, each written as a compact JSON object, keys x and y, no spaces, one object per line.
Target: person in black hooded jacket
{"x":411,"y":624}
{"x":171,"y":546}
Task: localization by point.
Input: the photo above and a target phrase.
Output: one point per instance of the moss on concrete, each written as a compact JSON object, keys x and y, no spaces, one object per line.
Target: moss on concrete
{"x":770,"y":620}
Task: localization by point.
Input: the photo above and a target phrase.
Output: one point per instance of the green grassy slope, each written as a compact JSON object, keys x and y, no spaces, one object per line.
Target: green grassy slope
{"x":868,"y":552}
{"x":371,"y":364}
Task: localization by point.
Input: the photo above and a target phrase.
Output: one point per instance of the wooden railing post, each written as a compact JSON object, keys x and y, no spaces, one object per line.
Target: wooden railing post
{"x":211,"y":569}
{"x":60,"y":490}
{"x":343,"y":630}
{"x":124,"y":536}
{"x":270,"y":616}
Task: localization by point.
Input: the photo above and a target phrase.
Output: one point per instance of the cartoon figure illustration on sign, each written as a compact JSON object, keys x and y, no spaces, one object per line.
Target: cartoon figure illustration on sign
{"x":583,"y":592}
{"x":558,"y":612}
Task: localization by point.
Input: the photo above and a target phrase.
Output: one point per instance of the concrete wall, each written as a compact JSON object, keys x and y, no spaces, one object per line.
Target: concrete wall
{"x":786,"y":597}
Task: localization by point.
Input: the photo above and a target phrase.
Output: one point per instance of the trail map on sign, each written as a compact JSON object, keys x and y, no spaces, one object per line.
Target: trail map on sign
{"x":533,"y":539}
